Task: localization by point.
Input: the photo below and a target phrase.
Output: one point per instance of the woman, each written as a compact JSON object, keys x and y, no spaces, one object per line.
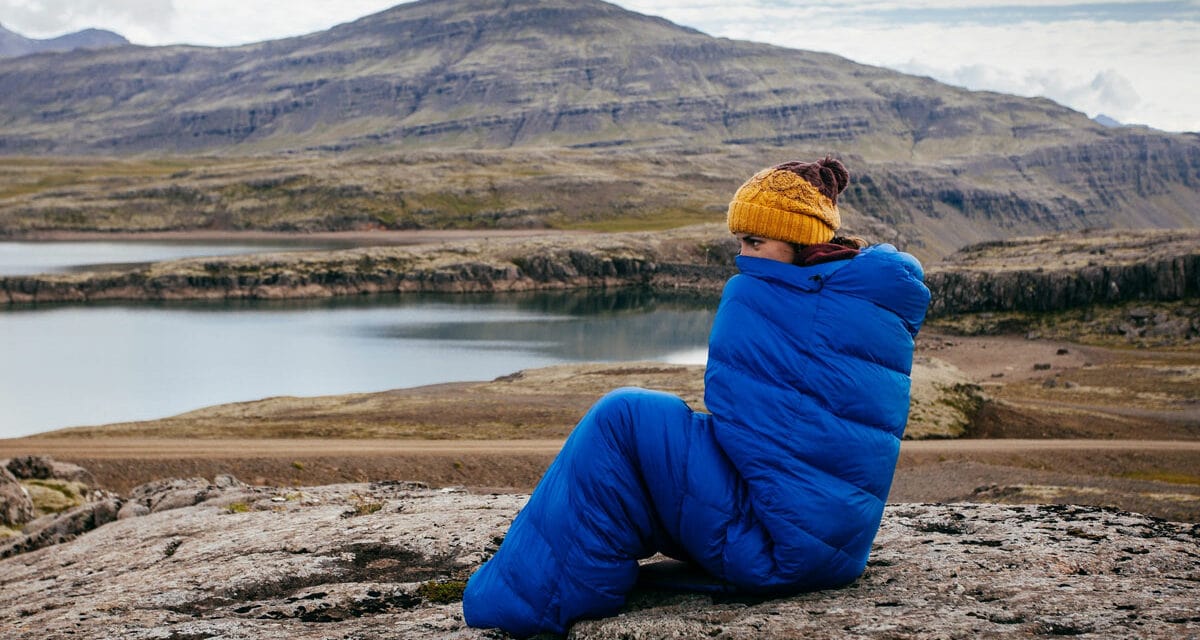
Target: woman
{"x":781,"y":487}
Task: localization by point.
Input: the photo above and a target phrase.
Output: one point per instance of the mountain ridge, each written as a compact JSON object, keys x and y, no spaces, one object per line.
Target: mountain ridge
{"x":14,"y":44}
{"x":594,"y":74}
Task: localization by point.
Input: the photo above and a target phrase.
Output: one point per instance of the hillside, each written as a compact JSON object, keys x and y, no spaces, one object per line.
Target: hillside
{"x":940,"y":166}
{"x":492,"y":74}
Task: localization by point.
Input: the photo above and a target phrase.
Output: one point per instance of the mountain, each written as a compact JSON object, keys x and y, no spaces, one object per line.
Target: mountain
{"x":14,"y":44}
{"x":501,"y":73}
{"x":943,"y":165}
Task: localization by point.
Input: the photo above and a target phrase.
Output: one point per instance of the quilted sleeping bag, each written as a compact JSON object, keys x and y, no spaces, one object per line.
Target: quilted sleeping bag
{"x":780,"y":488}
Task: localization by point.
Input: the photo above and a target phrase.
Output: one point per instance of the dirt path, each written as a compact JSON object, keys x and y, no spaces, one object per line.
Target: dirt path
{"x":178,"y":448}
{"x":1148,"y":476}
{"x":153,"y":448}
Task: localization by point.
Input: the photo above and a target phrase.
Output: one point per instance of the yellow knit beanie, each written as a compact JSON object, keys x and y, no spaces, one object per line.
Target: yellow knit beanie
{"x":794,"y":202}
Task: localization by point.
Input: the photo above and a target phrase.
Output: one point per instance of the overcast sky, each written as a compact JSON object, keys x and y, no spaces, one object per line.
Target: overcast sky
{"x":1137,"y":62}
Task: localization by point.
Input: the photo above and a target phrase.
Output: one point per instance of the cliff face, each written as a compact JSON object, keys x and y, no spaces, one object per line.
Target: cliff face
{"x":1057,"y":273}
{"x":189,"y":558}
{"x":682,"y":259}
{"x":1039,"y":274}
{"x":1134,"y":180}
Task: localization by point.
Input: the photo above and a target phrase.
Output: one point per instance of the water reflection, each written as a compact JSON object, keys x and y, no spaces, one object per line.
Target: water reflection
{"x":626,"y":325}
{"x":64,"y":365}
{"x":28,"y":258}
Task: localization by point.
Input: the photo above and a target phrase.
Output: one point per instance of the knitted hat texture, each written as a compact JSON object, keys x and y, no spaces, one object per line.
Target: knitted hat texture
{"x":794,"y":202}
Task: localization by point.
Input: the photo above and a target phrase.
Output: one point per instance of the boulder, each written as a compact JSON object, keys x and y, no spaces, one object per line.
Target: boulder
{"x":16,"y":508}
{"x":46,"y":468}
{"x":388,"y":560}
{"x":173,"y":493}
{"x":57,"y":528}
{"x":944,"y":400}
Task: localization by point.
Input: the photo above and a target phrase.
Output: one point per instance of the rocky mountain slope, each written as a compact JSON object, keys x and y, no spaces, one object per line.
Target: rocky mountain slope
{"x":503,"y":73}
{"x":194,"y":559}
{"x":942,"y":165}
{"x":13,"y":44}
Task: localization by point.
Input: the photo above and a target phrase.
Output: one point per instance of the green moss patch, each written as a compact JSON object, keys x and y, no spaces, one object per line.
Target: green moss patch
{"x":442,"y":591}
{"x":55,"y":496}
{"x":1163,"y":476}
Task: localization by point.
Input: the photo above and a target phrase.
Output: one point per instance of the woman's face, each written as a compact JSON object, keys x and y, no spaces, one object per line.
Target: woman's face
{"x":759,"y":247}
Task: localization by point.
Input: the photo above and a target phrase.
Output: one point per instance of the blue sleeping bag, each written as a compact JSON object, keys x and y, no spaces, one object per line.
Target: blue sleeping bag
{"x":780,"y":488}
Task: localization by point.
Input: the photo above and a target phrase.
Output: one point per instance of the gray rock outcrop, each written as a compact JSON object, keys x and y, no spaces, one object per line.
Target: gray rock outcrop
{"x":16,"y":508}
{"x":44,"y":468}
{"x":387,"y":560}
{"x":58,"y":528}
{"x":102,"y":507}
{"x":50,"y":502}
{"x":172,"y":493}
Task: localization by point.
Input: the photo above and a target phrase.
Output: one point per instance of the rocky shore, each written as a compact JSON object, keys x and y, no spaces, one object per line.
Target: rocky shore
{"x":1030,"y":275}
{"x":193,"y":558}
{"x":694,"y":258}
{"x":1055,"y":273}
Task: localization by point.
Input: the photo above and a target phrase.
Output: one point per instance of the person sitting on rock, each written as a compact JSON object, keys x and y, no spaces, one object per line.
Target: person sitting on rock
{"x":781,"y":487}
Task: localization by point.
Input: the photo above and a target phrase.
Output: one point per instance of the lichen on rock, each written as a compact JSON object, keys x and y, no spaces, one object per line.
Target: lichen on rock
{"x":293,"y":567}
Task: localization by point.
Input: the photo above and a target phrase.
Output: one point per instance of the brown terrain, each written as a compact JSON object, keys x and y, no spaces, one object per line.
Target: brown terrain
{"x":1049,"y":405}
{"x":1059,"y":423}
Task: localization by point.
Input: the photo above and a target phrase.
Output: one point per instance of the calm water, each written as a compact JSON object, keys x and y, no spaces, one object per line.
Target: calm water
{"x":26,"y":258}
{"x":82,"y":365}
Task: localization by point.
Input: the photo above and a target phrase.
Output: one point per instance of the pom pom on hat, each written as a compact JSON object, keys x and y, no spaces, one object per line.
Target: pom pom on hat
{"x":794,"y":202}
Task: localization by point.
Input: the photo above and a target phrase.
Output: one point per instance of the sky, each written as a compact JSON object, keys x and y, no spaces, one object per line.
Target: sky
{"x":1136,"y":62}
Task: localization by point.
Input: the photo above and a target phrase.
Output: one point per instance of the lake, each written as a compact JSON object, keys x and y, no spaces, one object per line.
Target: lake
{"x":27,"y":258}
{"x":70,"y":365}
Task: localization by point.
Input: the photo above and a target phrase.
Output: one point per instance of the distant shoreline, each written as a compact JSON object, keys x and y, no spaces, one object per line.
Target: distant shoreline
{"x":350,"y":238}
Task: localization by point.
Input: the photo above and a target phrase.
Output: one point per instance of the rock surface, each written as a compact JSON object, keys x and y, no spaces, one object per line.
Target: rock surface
{"x":385,"y":560}
{"x":16,"y":507}
{"x":44,"y":468}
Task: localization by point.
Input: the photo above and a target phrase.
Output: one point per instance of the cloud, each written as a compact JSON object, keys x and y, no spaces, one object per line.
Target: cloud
{"x":203,"y":22}
{"x":1109,"y":91}
{"x":1106,"y":92}
{"x":48,"y":18}
{"x":1134,"y":61}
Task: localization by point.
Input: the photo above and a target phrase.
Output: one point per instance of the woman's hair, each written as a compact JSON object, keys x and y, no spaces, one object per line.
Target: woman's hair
{"x":854,"y":242}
